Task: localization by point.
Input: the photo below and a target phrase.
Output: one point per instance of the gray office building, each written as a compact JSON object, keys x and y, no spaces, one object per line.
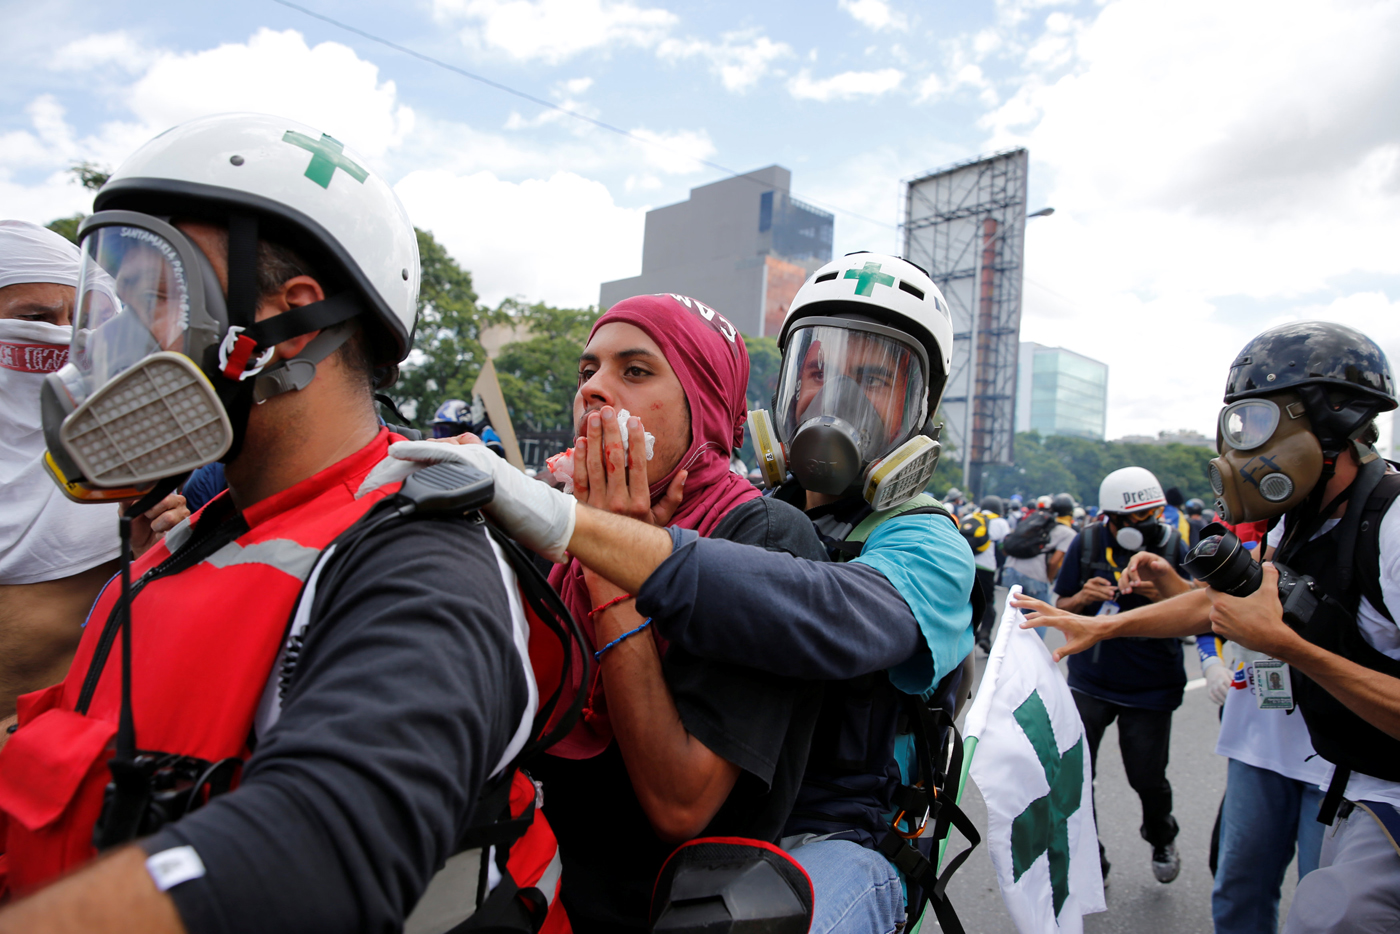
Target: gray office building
{"x":743,"y":246}
{"x":1060,"y":392}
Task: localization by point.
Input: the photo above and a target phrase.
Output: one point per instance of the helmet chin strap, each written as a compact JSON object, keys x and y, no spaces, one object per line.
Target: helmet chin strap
{"x":242,"y":388}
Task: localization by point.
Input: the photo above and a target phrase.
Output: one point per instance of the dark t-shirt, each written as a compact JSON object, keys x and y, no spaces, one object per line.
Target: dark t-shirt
{"x":407,"y":692}
{"x":760,"y":722}
{"x":1132,"y":671}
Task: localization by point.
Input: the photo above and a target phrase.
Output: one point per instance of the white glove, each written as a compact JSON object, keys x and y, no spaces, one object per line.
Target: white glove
{"x":1217,"y":680}
{"x":531,"y":512}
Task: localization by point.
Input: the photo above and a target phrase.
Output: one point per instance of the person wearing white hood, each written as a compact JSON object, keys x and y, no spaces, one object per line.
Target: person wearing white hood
{"x":55,"y":555}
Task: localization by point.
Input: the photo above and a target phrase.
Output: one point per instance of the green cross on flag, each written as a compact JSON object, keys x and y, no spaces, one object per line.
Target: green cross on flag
{"x":327,"y":155}
{"x":867,"y":277}
{"x":1026,"y":752}
{"x":1043,"y":827}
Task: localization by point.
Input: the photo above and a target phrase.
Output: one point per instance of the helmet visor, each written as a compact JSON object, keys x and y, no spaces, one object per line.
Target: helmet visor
{"x":133,"y":300}
{"x":872,"y":381}
{"x":1248,"y":424}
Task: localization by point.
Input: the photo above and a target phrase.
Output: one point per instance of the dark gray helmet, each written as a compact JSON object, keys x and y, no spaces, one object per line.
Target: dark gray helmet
{"x":993,"y":504}
{"x":1062,"y":504}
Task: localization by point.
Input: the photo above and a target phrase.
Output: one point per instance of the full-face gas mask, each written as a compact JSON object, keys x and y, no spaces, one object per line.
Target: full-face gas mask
{"x":161,"y":375}
{"x":1270,"y":459}
{"x":851,"y":403}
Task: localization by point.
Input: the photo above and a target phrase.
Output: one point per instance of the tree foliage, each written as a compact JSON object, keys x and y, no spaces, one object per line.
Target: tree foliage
{"x":447,"y":354}
{"x":539,"y":376}
{"x":1063,"y":464}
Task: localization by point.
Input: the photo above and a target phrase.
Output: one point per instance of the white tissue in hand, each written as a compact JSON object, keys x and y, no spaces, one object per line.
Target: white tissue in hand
{"x":561,"y":466}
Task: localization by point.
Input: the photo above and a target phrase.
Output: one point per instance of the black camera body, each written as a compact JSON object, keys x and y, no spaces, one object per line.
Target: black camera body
{"x":1222,"y":561}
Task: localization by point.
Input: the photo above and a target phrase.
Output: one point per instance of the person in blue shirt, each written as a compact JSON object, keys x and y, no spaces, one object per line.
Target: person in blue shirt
{"x":1138,"y":682}
{"x":888,"y":621}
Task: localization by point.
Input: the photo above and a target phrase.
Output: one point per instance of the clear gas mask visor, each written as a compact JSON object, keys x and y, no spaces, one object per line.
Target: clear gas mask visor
{"x":849,"y":392}
{"x":132,"y":405}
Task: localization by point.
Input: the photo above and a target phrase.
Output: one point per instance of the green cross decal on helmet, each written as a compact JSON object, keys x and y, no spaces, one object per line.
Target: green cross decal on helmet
{"x":327,"y":155}
{"x":867,"y":277}
{"x":1043,"y":827}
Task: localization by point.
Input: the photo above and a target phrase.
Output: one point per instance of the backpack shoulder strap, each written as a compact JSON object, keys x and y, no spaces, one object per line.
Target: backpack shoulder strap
{"x":1088,"y":545}
{"x":923,"y":504}
{"x":1368,"y":542}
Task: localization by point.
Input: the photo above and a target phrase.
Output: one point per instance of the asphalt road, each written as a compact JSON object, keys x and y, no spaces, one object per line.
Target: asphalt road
{"x":1137,"y":902}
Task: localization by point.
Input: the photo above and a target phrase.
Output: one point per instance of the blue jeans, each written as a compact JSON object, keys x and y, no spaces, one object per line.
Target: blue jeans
{"x":1264,"y":816}
{"x":857,"y":890}
{"x":1010,"y":577}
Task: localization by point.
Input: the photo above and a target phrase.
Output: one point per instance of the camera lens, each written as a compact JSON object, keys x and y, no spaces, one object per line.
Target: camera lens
{"x":1222,"y":561}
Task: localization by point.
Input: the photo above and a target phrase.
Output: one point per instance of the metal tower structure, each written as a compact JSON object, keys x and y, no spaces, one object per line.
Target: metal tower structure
{"x":965,"y":224}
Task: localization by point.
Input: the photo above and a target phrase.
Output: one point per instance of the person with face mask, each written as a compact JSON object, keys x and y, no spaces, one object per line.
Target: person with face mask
{"x":1136,"y":682}
{"x":280,"y":718}
{"x":889,"y":619}
{"x":55,"y":555}
{"x":1296,"y":441}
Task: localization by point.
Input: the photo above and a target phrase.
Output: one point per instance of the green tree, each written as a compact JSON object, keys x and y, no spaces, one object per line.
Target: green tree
{"x":447,"y":354}
{"x":539,"y":375}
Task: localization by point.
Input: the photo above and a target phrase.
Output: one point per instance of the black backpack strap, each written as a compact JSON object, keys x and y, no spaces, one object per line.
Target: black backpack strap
{"x":1368,"y":542}
{"x":1088,"y":545}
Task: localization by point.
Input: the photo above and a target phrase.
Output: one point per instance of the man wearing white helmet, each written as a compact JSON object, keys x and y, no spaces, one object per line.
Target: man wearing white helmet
{"x":1138,"y":682}
{"x":866,"y":349}
{"x":333,"y":682}
{"x":55,"y":555}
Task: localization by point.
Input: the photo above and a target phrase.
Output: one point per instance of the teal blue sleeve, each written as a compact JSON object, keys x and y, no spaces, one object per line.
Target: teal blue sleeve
{"x":927,"y":560}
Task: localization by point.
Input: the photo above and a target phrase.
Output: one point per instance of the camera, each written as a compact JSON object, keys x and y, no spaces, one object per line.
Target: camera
{"x":1222,"y":561}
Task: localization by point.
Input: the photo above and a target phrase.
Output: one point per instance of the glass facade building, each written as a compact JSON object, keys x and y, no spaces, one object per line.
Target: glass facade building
{"x":1060,"y":392}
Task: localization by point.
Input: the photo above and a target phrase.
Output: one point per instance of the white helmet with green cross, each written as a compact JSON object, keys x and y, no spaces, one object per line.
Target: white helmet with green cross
{"x":308,"y":191}
{"x":890,"y":291}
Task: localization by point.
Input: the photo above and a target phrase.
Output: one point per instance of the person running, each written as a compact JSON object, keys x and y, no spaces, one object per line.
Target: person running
{"x":310,"y":673}
{"x":1035,"y":550}
{"x":1138,"y":682}
{"x":984,"y":528}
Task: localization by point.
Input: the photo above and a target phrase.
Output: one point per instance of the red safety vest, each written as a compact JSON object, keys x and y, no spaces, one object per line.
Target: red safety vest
{"x":204,"y":642}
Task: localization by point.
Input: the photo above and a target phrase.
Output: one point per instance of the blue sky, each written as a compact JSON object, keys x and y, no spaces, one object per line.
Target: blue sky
{"x":1215,"y":166}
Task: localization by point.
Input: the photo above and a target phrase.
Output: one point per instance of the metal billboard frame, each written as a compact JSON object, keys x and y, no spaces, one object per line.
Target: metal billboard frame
{"x":965,"y":224}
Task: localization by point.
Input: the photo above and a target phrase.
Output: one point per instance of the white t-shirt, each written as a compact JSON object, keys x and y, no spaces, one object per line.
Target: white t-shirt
{"x":997,"y":529}
{"x":1379,"y":632}
{"x":1268,"y":739}
{"x":1037,"y":568}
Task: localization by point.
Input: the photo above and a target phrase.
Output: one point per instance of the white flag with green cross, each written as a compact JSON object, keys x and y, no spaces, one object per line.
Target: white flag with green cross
{"x":1030,"y":760}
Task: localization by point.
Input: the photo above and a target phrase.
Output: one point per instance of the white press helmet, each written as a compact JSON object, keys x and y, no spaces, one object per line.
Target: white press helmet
{"x":867,"y":343}
{"x":1129,"y":490}
{"x":165,"y":363}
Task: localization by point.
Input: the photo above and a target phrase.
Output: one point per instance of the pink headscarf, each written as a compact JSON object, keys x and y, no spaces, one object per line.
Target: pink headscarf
{"x":711,"y":362}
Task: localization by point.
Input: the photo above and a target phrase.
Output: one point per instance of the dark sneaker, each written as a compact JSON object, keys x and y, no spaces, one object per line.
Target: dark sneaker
{"x":1166,"y":863}
{"x":985,"y":645}
{"x":1104,"y":865}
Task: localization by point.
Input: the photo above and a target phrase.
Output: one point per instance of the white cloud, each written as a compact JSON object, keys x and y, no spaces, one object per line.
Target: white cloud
{"x":549,"y":239}
{"x":1213,"y":166}
{"x":327,"y":86}
{"x":740,"y":58}
{"x":846,"y":85}
{"x":875,"y":14}
{"x":555,"y":30}
{"x":676,"y":153}
{"x":100,"y":49}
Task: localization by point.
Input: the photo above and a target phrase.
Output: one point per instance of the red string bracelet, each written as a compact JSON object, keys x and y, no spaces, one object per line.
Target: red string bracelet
{"x":611,"y":603}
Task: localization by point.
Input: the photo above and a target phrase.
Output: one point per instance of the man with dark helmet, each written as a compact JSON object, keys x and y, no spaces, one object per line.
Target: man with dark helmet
{"x":1296,"y":441}
{"x":1036,"y":548}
